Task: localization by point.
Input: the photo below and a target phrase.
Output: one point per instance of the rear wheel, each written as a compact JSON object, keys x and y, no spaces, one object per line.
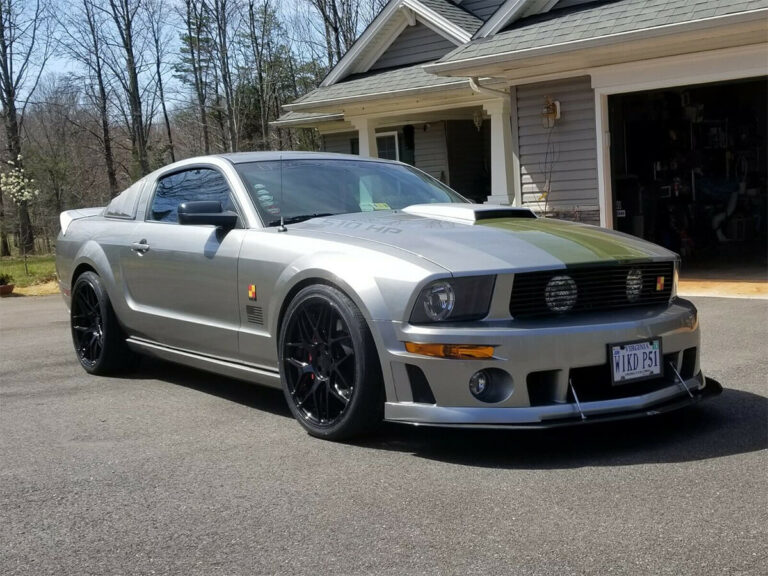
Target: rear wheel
{"x":329,"y":366}
{"x":99,"y":342}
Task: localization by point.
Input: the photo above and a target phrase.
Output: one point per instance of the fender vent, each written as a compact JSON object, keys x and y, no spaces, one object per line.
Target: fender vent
{"x":255,"y":314}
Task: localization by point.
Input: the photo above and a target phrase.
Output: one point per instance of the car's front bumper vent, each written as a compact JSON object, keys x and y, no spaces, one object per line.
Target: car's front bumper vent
{"x":598,"y":288}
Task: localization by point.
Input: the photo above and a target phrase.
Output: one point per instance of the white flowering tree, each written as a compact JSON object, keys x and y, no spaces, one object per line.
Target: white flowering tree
{"x":22,"y":190}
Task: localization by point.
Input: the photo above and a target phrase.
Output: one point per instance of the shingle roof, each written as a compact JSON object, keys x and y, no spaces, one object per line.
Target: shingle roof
{"x":362,"y":85}
{"x":589,"y":21}
{"x":454,"y":14}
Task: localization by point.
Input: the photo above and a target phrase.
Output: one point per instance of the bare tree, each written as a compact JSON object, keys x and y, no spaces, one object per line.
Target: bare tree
{"x":126,"y":68}
{"x":21,"y":40}
{"x":340,"y":21}
{"x":84,"y":41}
{"x":221,"y":17}
{"x":156,"y":14}
{"x":195,"y":60}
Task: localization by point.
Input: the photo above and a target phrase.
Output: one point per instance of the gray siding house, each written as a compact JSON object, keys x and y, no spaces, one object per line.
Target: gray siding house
{"x":648,"y":116}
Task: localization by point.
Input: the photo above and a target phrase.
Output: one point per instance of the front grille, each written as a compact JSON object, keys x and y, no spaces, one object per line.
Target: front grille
{"x":598,"y":288}
{"x":593,"y":383}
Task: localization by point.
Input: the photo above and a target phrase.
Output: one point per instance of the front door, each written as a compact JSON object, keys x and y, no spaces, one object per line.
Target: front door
{"x":181,"y":281}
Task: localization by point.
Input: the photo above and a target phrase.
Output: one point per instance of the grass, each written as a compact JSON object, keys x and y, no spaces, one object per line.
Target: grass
{"x":41,"y":269}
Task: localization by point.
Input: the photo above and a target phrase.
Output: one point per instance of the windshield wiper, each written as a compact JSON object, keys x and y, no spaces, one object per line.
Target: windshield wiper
{"x":297,"y":219}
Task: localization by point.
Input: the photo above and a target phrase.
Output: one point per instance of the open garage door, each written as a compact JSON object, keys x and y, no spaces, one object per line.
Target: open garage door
{"x":688,"y":170}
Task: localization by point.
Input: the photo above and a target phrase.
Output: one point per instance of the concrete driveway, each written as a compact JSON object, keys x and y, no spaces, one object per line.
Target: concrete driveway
{"x":173,"y":471}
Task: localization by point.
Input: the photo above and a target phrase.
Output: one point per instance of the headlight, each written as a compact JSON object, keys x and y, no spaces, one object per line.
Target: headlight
{"x":454,"y":299}
{"x":438,"y":301}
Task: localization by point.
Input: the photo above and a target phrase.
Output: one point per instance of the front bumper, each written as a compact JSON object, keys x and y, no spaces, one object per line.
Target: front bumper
{"x":555,"y":369}
{"x":653,"y":404}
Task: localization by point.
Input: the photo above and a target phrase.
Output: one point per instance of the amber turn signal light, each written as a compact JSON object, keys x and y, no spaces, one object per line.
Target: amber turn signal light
{"x":454,"y":351}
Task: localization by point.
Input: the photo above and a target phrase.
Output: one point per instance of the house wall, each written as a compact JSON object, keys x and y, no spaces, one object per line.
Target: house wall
{"x":415,"y":44}
{"x":339,"y":143}
{"x":431,"y":150}
{"x":562,"y":159}
{"x":483,"y":9}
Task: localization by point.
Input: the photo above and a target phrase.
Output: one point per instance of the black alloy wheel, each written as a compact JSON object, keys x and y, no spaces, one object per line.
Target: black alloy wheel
{"x":96,"y":334}
{"x":87,"y":325}
{"x":329,"y":366}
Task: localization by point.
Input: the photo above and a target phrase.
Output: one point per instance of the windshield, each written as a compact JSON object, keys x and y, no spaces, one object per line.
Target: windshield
{"x":307,"y":188}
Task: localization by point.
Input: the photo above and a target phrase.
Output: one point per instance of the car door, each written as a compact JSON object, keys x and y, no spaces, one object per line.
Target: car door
{"x":181,"y":280}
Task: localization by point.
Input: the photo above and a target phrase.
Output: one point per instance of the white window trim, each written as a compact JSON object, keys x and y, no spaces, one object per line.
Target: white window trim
{"x":397,"y":142}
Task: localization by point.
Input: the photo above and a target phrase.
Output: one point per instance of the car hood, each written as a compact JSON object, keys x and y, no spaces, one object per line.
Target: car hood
{"x":489,"y":245}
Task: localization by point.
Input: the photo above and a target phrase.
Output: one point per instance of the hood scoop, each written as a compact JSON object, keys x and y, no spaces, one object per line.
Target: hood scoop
{"x":467,"y":213}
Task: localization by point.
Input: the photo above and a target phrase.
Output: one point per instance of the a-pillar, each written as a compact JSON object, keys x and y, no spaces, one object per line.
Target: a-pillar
{"x":505,"y":165}
{"x":366,"y":130}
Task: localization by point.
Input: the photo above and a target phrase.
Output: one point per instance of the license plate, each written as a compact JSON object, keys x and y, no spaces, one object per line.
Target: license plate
{"x":633,"y":361}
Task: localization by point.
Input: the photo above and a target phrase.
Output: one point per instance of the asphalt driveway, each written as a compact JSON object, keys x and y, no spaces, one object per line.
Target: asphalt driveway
{"x":172,"y":471}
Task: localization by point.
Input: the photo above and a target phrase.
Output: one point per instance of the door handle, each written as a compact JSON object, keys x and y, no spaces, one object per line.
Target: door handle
{"x":140,"y":247}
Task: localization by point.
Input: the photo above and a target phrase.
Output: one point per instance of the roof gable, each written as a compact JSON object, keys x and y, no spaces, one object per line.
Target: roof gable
{"x":444,"y":18}
{"x":415,"y":44}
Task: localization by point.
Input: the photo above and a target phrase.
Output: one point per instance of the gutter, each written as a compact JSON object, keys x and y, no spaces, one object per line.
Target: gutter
{"x":474,"y":83}
{"x":300,"y":121}
{"x":445,"y":68}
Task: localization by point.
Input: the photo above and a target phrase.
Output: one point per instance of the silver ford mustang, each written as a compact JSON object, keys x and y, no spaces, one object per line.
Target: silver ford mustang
{"x":367,"y":290}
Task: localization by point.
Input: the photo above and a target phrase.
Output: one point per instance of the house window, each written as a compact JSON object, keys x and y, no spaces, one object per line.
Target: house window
{"x":387,"y":144}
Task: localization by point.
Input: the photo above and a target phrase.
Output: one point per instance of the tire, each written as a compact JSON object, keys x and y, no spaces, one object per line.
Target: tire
{"x":329,"y":366}
{"x":96,"y":334}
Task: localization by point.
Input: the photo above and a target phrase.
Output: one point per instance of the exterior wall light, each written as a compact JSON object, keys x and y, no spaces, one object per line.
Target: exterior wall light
{"x":550,"y":113}
{"x":477,"y":119}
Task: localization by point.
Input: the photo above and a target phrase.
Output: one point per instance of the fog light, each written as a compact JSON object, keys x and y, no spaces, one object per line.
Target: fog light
{"x":561,"y":294}
{"x":478,"y":383}
{"x":634,"y":284}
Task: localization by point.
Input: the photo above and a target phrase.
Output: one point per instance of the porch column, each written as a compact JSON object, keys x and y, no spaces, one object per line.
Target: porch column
{"x":505,"y":185}
{"x":366,"y":130}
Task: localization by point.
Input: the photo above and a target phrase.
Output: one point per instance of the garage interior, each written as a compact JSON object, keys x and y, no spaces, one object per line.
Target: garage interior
{"x":688,"y":168}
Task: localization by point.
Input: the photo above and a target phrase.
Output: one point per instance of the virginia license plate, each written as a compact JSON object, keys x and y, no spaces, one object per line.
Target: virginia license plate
{"x":632,"y":361}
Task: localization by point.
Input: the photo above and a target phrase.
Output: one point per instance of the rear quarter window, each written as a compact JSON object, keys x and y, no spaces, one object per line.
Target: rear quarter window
{"x":124,"y":204}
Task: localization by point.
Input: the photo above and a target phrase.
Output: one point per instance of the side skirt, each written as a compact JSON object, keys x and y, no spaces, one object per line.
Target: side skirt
{"x":228,"y":368}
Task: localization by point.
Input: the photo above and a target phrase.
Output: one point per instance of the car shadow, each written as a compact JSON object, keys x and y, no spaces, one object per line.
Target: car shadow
{"x":252,"y":395}
{"x":732,"y":423}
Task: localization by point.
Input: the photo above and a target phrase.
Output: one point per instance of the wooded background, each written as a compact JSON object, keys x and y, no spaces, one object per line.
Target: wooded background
{"x":97,"y":93}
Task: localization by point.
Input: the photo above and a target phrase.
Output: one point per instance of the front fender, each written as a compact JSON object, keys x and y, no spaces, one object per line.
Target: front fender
{"x":380,"y":285}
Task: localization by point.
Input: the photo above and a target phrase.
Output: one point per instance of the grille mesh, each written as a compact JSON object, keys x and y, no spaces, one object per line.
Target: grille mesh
{"x":598,"y":288}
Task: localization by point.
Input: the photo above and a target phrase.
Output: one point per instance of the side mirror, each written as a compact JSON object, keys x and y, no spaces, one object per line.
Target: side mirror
{"x":206,"y":212}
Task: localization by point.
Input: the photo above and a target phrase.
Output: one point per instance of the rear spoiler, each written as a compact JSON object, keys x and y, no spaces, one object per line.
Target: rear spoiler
{"x":68,"y":216}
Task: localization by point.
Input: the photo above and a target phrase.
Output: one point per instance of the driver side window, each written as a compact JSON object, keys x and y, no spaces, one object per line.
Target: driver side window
{"x":188,"y":186}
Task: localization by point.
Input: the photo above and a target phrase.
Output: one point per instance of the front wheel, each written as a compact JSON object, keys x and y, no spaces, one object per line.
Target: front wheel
{"x":99,"y":342}
{"x":329,"y":366}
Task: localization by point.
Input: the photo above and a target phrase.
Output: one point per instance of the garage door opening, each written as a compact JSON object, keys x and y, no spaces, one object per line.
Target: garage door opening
{"x":688,"y":167}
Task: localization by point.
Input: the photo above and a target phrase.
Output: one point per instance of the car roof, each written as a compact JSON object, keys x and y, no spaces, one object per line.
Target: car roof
{"x":242,"y":157}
